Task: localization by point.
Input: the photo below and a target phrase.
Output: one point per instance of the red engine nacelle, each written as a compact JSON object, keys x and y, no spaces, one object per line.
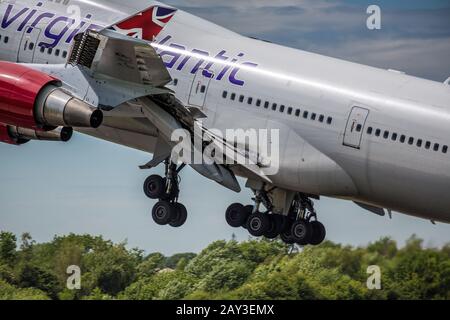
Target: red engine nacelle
{"x":19,"y":89}
{"x":32,"y":99}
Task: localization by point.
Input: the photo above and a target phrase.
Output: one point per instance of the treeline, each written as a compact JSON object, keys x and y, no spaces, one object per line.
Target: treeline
{"x":257,"y":269}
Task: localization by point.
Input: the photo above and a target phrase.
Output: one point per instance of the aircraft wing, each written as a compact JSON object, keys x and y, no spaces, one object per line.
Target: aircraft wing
{"x":124,"y":62}
{"x":108,"y":54}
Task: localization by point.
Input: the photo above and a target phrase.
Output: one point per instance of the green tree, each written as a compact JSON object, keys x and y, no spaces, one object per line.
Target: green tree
{"x":8,"y":245}
{"x":35,"y":277}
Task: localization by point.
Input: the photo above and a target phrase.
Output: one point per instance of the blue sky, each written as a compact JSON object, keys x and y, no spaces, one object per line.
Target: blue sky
{"x":91,"y":186}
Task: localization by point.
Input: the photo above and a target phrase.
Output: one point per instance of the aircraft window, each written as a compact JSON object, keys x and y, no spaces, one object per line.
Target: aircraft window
{"x":386,"y":134}
{"x":274,"y":106}
{"x":402,"y":139}
{"x":313,"y":116}
{"x":233,"y":96}
{"x":266,"y":104}
{"x":42,"y":49}
{"x":394,"y":137}
{"x":297,"y":113}
{"x":250,"y":100}
{"x":258,"y":102}
{"x":64,"y":55}
{"x":436,"y":147}
{"x":203,"y":89}
{"x":378,"y":132}
{"x":428,"y":145}
{"x":57,"y":52}
{"x":321,"y":118}
{"x":31,"y":46}
{"x":241,"y":98}
{"x":359,"y":128}
{"x":175,"y":81}
{"x":50,"y":50}
{"x":329,"y":120}
{"x":282,"y":107}
{"x":224,"y":94}
{"x":444,"y":149}
{"x":419,"y":143}
{"x":0,"y":37}
{"x":6,"y":40}
{"x":411,"y":141}
{"x":305,"y":114}
{"x":369,"y":130}
{"x":289,"y":111}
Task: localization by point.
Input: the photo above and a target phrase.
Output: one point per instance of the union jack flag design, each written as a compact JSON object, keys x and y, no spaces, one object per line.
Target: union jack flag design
{"x":147,"y":24}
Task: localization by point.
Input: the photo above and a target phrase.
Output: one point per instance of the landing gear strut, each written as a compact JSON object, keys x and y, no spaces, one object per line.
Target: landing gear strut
{"x":168,"y":211}
{"x":299,"y":226}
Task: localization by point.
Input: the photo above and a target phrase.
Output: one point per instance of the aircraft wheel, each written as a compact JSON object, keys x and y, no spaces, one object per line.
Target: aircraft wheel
{"x":236,"y":215}
{"x":154,"y":187}
{"x":258,"y":224}
{"x":248,"y":210}
{"x":302,"y":232}
{"x":276,"y":226}
{"x":163,"y":213}
{"x":180,"y":216}
{"x":318,"y":233}
{"x":286,"y":237}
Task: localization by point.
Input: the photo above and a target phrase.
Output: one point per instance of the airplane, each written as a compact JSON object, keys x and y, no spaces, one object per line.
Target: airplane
{"x":134,"y":72}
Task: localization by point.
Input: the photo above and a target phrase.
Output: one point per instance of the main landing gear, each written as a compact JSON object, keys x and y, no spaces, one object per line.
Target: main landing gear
{"x":168,"y":211}
{"x":299,"y":226}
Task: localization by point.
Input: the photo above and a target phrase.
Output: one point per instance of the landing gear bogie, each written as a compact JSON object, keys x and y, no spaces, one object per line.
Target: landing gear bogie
{"x":300,"y":226}
{"x":168,"y":211}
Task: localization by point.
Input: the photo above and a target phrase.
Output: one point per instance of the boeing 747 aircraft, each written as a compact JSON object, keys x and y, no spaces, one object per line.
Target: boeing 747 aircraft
{"x":138,"y":73}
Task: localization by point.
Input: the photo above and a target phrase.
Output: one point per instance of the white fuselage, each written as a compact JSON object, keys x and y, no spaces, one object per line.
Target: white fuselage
{"x":365,"y":134}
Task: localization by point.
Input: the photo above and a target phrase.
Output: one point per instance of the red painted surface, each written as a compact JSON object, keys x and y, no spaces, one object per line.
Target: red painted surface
{"x":19,"y":87}
{"x":4,"y":135}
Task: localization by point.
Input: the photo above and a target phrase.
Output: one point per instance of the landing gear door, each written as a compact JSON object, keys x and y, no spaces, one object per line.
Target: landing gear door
{"x":28,"y":44}
{"x":199,"y":89}
{"x":355,"y":127}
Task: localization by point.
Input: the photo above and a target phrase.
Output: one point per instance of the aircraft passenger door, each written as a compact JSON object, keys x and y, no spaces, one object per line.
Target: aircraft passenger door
{"x":355,"y":127}
{"x":199,"y":89}
{"x":28,"y":44}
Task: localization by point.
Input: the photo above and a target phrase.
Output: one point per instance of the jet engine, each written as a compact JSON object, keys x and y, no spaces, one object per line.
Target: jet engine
{"x":34,"y":100}
{"x":17,"y":135}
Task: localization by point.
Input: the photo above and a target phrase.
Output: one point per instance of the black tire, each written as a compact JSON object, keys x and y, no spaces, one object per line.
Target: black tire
{"x":258,"y":224}
{"x":301,"y":232}
{"x":163,"y":213}
{"x":249,"y":211}
{"x":236,"y":215}
{"x":286,"y":237}
{"x":154,"y":187}
{"x":180,"y":216}
{"x":276,"y":226}
{"x":318,"y":233}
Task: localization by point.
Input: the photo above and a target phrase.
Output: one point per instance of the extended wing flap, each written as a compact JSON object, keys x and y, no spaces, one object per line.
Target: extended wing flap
{"x":108,"y":54}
